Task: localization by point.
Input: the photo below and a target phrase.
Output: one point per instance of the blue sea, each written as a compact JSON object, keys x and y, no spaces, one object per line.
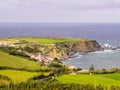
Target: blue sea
{"x":101,"y":32}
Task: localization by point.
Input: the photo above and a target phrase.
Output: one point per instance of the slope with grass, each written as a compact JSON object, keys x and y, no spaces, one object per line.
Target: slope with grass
{"x":105,"y":80}
{"x":11,"y":61}
{"x":18,"y":76}
{"x":50,"y":40}
{"x":41,"y":40}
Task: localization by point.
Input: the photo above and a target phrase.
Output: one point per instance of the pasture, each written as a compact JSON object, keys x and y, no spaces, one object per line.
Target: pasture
{"x":18,"y":76}
{"x":49,"y":40}
{"x":11,"y":61}
{"x":103,"y":79}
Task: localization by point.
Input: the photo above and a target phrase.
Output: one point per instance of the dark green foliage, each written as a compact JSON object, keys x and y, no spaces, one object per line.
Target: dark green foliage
{"x":114,"y":88}
{"x":42,"y":63}
{"x":24,"y":69}
{"x":115,"y":70}
{"x":77,"y":69}
{"x":39,"y":77}
{"x":58,"y":67}
{"x":91,"y":67}
{"x":19,"y":54}
{"x":7,"y":49}
{"x":31,"y":50}
{"x":43,"y":77}
{"x":22,"y":42}
{"x":56,"y":63}
{"x":100,"y":87}
{"x":54,"y":85}
{"x":103,"y":71}
{"x":5,"y":78}
{"x":14,"y":51}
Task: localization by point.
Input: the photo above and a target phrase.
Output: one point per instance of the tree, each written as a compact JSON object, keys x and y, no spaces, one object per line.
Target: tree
{"x":42,"y":63}
{"x":91,"y":67}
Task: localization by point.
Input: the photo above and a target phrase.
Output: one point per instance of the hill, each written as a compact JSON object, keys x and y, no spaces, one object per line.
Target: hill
{"x":54,"y":47}
{"x":15,"y":62}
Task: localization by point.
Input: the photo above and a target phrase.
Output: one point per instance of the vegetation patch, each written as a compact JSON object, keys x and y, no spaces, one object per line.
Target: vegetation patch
{"x":7,"y":60}
{"x":105,"y":80}
{"x":115,"y":76}
{"x":55,"y":85}
{"x":50,"y":40}
{"x":18,"y":76}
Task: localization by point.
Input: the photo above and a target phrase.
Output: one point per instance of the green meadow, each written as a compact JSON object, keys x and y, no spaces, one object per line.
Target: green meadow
{"x":49,"y":40}
{"x":115,"y":76}
{"x":11,"y":61}
{"x":15,"y":64}
{"x":18,"y":76}
{"x":103,"y":79}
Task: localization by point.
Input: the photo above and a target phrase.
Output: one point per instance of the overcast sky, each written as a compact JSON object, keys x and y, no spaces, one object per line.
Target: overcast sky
{"x":60,"y":11}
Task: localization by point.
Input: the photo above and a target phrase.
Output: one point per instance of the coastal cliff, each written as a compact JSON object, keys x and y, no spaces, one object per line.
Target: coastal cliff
{"x":64,"y":49}
{"x":52,"y":47}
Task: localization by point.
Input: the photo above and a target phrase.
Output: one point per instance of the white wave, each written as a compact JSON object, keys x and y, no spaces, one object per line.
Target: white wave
{"x":75,"y":57}
{"x":69,"y":58}
{"x":108,"y":50}
{"x":79,"y":56}
{"x":104,"y":51}
{"x":118,"y":49}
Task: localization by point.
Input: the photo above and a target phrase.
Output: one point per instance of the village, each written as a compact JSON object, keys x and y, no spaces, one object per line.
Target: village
{"x":37,"y":56}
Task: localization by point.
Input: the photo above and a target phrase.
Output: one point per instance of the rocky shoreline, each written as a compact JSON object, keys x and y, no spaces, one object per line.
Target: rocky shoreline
{"x":103,"y":47}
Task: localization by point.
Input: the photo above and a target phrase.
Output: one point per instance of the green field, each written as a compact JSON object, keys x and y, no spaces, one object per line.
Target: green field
{"x":115,"y":76}
{"x":48,"y":40}
{"x":18,"y":76}
{"x":7,"y":60}
{"x":42,"y":40}
{"x":104,"y":79}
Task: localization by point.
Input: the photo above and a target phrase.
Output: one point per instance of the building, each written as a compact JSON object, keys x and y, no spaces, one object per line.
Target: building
{"x":40,"y":57}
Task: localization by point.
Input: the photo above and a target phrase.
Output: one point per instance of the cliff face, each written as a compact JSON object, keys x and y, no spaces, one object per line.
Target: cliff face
{"x":63,"y":49}
{"x":86,"y":46}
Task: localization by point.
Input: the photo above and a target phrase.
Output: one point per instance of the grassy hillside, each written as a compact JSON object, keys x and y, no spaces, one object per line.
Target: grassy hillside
{"x":18,"y":76}
{"x":104,"y":79}
{"x":42,"y":40}
{"x":7,"y":60}
{"x":49,"y":40}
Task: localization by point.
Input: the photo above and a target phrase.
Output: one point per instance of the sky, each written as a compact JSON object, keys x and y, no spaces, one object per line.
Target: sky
{"x":60,"y":11}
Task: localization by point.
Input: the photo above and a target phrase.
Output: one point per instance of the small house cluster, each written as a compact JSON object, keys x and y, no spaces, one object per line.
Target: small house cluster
{"x":6,"y":44}
{"x":40,"y":57}
{"x":72,"y":67}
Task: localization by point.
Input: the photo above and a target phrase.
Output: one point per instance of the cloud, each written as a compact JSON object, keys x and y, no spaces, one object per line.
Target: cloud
{"x":88,"y":4}
{"x":59,"y":10}
{"x":73,"y":4}
{"x":61,"y":4}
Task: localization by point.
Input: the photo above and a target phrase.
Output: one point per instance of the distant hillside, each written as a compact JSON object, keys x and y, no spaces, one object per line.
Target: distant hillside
{"x":54,"y":47}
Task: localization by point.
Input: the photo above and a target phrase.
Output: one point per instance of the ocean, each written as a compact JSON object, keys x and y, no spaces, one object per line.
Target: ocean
{"x":101,"y":32}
